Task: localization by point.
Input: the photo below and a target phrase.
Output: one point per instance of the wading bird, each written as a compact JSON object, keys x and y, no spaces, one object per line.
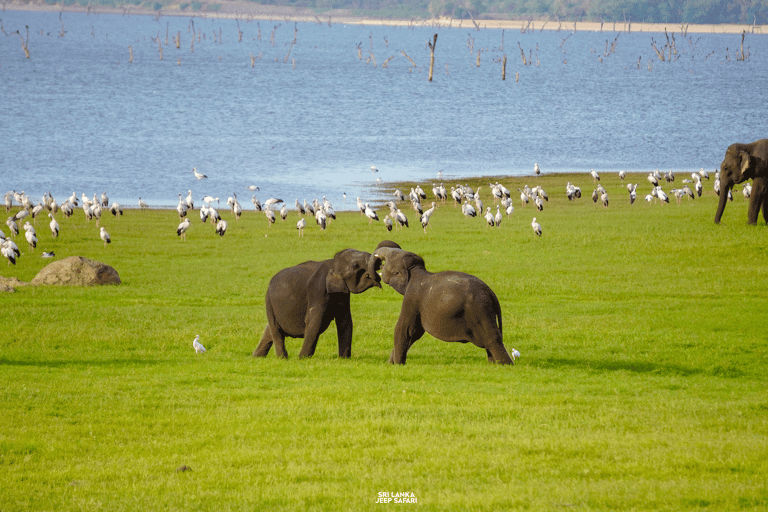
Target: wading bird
{"x":300,"y":226}
{"x":199,"y":348}
{"x":181,"y":230}
{"x":536,"y":227}
{"x":54,"y":226}
{"x":370,"y":214}
{"x":198,"y":175}
{"x":104,"y":236}
{"x":221,"y":227}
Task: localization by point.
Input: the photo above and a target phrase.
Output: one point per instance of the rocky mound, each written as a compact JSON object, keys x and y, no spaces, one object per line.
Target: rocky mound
{"x":76,"y":271}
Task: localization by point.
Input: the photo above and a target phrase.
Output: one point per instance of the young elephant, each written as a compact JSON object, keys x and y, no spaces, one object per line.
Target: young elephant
{"x":301,"y":301}
{"x":451,"y":306}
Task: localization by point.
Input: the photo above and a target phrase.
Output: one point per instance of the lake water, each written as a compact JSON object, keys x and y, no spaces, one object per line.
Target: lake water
{"x":77,"y":116}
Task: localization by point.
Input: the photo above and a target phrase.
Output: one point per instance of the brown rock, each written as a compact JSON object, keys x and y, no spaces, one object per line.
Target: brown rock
{"x":76,"y":271}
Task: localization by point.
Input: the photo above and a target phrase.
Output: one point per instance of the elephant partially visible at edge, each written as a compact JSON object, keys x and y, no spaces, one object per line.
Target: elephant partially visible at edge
{"x":302,"y":301}
{"x":743,"y":162}
{"x":449,"y":305}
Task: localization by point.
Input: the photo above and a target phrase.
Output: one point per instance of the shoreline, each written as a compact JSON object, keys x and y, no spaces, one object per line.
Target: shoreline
{"x":245,"y":11}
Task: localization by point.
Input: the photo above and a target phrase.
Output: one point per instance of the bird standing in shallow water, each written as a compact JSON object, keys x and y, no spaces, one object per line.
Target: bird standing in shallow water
{"x":198,"y":175}
{"x":199,"y":348}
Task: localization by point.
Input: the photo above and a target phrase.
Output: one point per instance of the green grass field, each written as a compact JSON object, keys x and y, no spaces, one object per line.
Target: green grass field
{"x":642,"y":383}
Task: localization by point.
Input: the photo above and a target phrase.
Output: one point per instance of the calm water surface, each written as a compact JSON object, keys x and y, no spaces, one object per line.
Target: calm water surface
{"x":77,"y":116}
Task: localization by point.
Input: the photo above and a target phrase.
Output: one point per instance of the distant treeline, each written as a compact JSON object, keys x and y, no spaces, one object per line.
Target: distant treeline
{"x":638,"y":11}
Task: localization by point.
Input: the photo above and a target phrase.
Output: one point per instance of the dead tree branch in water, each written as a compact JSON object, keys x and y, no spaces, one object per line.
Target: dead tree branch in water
{"x":432,"y":45}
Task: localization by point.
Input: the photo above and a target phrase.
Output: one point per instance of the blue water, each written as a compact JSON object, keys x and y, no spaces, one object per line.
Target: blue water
{"x":77,"y":116}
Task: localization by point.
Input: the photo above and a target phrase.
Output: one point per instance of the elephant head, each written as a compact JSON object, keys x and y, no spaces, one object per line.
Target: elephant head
{"x":742,"y":162}
{"x":352,"y":272}
{"x":399,"y":265}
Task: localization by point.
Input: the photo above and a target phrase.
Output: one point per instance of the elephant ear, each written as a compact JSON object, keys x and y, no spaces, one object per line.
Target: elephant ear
{"x":335,"y":283}
{"x":744,"y":161}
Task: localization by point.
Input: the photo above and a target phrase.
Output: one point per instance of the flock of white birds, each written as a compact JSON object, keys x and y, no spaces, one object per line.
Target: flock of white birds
{"x":462,"y":195}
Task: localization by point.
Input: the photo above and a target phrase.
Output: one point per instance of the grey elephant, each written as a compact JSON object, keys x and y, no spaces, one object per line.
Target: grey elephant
{"x":302,"y":301}
{"x":743,"y":162}
{"x":451,"y":306}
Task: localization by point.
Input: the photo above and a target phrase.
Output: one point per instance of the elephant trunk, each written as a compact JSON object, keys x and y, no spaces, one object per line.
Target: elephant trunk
{"x":725,"y":186}
{"x":374,"y":264}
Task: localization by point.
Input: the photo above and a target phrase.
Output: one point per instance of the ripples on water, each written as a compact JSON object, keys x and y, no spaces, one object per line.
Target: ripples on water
{"x":77,"y":116}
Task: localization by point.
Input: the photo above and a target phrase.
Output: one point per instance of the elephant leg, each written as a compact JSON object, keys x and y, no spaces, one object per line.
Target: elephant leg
{"x":757,"y":200}
{"x":264,"y":345}
{"x":344,"y":333}
{"x":407,"y":332}
{"x":312,"y":331}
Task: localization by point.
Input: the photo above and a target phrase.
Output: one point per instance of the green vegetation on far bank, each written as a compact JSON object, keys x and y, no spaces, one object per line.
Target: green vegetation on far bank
{"x":641,"y":386}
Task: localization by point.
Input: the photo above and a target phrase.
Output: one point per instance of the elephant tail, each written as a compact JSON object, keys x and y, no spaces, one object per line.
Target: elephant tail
{"x":497,"y":312}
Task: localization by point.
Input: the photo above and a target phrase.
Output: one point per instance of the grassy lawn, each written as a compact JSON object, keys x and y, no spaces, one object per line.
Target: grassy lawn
{"x":642,"y":383}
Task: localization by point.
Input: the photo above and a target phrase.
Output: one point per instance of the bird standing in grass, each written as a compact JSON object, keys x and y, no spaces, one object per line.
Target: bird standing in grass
{"x":104,"y":236}
{"x":181,"y":230}
{"x":54,"y":226}
{"x":595,"y":176}
{"x":370,"y":214}
{"x":536,"y":227}
{"x":300,"y":226}
{"x":199,"y":348}
{"x":221,"y":227}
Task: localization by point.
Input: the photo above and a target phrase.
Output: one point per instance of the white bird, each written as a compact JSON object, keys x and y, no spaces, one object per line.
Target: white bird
{"x":188,"y":201}
{"x":510,"y":210}
{"x":388,"y":221}
{"x":400,"y":218}
{"x":199,"y":348}
{"x":523,"y":198}
{"x":237,"y":210}
{"x":9,"y":249}
{"x":374,"y":169}
{"x":31,"y":238}
{"x":104,"y":236}
{"x":539,"y":203}
{"x":270,"y":215}
{"x":662,"y":195}
{"x":703,"y":173}
{"x":698,"y":186}
{"x":210,"y":199}
{"x":54,"y":226}
{"x":595,"y":176}
{"x":499,"y":217}
{"x":21,"y":215}
{"x":360,"y":205}
{"x":181,"y":230}
{"x":48,"y":254}
{"x":604,"y":199}
{"x":284,"y":211}
{"x":300,"y":208}
{"x":747,"y":191}
{"x":300,"y":226}
{"x":370,"y":214}
{"x":104,"y":199}
{"x":256,"y":203}
{"x":320,"y":218}
{"x":515,"y":354}
{"x":489,"y":217}
{"x":536,"y":168}
{"x":622,"y":175}
{"x":669,"y":176}
{"x":253,"y":188}
{"x":221,"y":227}
{"x":12,"y":224}
{"x":198,"y":175}
{"x":653,"y":180}
{"x":143,"y":204}
{"x":468,"y":210}
{"x":272,"y":200}
{"x":536,"y":227}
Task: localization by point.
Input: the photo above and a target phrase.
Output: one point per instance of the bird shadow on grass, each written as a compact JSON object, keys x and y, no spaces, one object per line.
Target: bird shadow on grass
{"x":640,"y":367}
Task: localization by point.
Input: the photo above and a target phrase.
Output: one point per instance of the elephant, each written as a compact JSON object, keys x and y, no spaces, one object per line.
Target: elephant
{"x":449,"y":305}
{"x":743,"y":162}
{"x":302,"y":300}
